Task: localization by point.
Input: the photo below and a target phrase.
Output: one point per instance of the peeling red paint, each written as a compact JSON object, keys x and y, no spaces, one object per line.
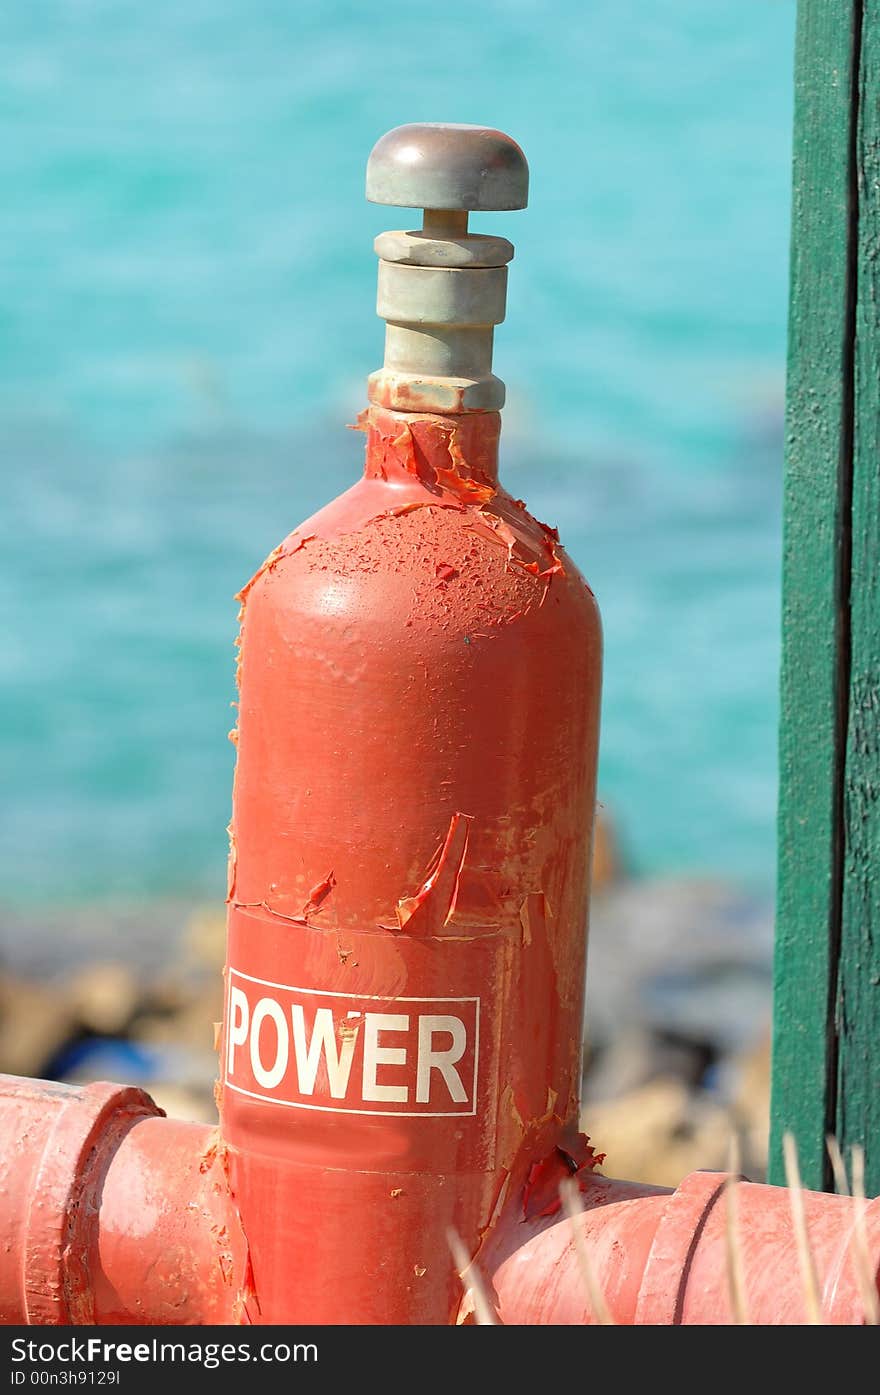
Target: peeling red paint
{"x":457,"y":478}
{"x":361,"y":421}
{"x":292,"y":544}
{"x":400,"y":509}
{"x":231,"y":863}
{"x":318,"y":895}
{"x":424,"y":461}
{"x":529,"y":545}
{"x":572,"y":1157}
{"x":533,"y":1004}
{"x":209,"y":1157}
{"x":433,"y":905}
{"x":270,"y":911}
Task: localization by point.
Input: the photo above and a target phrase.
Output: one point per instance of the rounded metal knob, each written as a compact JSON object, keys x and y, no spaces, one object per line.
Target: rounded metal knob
{"x":445,"y":166}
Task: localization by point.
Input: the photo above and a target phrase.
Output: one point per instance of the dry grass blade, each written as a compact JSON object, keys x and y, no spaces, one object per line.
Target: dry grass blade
{"x":571,"y":1205}
{"x":736,"y":1278}
{"x":838,"y":1166}
{"x":806,"y":1262}
{"x":472,"y":1280}
{"x":861,"y":1253}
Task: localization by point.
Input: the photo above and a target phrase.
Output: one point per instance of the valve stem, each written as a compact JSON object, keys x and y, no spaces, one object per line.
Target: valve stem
{"x":442,"y":290}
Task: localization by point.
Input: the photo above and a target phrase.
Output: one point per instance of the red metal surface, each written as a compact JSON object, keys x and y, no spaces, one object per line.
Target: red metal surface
{"x":419,"y":692}
{"x":111,"y":1213}
{"x":661,"y":1257}
{"x":170,"y":1247}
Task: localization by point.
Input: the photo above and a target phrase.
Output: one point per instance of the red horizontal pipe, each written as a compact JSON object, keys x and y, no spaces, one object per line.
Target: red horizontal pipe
{"x":661,"y":1257}
{"x":170,"y":1245}
{"x":111,"y":1213}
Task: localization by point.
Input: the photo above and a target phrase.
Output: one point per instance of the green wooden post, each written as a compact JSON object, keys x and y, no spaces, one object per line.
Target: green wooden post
{"x":826,"y":1051}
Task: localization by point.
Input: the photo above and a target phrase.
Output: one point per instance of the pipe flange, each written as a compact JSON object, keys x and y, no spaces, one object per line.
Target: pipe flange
{"x":442,"y":290}
{"x":665,"y":1278}
{"x":88,"y":1126}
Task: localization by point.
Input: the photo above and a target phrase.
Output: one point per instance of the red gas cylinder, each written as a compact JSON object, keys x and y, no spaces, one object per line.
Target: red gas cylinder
{"x":413,"y":806}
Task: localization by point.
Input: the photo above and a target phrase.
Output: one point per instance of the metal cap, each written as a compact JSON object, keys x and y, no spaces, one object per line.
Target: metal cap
{"x":446,"y":166}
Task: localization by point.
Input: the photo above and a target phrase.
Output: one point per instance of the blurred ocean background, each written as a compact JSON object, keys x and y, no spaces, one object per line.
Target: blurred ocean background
{"x":187,"y":290}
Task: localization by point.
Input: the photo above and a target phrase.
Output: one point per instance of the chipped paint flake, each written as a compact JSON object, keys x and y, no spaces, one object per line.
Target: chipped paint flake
{"x":318,"y":895}
{"x":231,"y":863}
{"x":433,"y":905}
{"x":573,"y":1156}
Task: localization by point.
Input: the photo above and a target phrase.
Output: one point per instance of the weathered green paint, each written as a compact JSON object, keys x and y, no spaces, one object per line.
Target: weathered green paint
{"x":815,"y":585}
{"x":826,"y":1057}
{"x":858,"y":1020}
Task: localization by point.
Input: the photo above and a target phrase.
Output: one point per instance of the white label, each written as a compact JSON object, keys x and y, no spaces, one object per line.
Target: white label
{"x":346,"y":1053}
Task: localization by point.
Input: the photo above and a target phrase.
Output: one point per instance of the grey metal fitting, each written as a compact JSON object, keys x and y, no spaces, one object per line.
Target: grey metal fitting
{"x":441,"y":289}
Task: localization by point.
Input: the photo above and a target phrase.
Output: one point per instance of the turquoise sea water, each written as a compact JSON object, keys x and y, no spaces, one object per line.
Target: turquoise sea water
{"x":186,"y":318}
